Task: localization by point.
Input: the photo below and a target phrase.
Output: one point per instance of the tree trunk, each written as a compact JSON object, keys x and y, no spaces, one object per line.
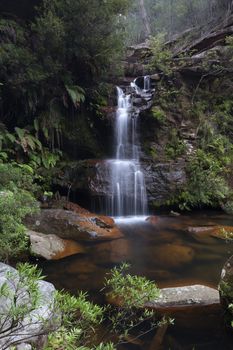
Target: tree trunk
{"x":145,"y":18}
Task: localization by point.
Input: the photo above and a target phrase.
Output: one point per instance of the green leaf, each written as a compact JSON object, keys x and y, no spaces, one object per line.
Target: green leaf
{"x":76,"y":93}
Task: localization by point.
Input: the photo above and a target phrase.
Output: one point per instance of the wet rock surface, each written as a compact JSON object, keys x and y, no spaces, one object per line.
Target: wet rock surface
{"x":196,"y":295}
{"x":173,"y":255}
{"x":195,"y":307}
{"x":164,"y":179}
{"x":70,"y":225}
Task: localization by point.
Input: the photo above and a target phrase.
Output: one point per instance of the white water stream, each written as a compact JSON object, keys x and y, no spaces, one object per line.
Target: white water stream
{"x":127,"y":184}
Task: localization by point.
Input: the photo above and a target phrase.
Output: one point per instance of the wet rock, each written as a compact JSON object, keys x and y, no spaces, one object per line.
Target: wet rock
{"x":152,"y":220}
{"x":69,"y":225}
{"x":164,"y":180}
{"x":34,"y":325}
{"x":174,"y":213}
{"x":51,"y":247}
{"x":200,"y":229}
{"x":173,"y":256}
{"x":155,"y":77}
{"x":226,"y":288}
{"x":186,"y":296}
{"x":192,"y":307}
{"x":210,"y":232}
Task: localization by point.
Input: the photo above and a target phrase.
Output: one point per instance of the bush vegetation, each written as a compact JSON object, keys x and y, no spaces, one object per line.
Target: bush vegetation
{"x":78,"y":320}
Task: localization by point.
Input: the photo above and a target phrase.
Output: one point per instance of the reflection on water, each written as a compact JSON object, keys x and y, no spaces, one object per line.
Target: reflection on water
{"x":166,"y":251}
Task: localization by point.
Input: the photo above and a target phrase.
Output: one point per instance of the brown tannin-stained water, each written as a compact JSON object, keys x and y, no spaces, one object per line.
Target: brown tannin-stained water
{"x":167,"y":250}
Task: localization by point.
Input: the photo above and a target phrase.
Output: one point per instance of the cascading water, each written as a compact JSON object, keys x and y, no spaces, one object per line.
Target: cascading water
{"x":146,"y":83}
{"x":127,"y":184}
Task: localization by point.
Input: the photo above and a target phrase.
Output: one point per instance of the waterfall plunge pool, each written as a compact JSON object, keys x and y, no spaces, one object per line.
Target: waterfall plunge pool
{"x":165,"y":251}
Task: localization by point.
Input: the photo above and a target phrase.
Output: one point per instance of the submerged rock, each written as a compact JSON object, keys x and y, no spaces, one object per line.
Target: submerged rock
{"x":173,"y":255}
{"x":69,"y":225}
{"x":32,"y":329}
{"x":112,"y":252}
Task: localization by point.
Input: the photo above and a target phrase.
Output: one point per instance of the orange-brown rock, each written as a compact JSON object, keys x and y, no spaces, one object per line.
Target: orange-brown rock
{"x":70,"y":248}
{"x":114,"y":251}
{"x":75,"y":207}
{"x":70,"y":225}
{"x":204,"y":232}
{"x":152,"y":219}
{"x":172,"y":255}
{"x":51,"y":247}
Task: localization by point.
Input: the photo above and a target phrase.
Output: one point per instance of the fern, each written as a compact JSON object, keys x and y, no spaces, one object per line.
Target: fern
{"x":76,"y":94}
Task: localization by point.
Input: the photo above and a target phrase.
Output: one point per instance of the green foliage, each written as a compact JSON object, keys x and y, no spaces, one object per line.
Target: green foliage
{"x":206,"y":184}
{"x":158,"y":114}
{"x":162,"y":56}
{"x":175,"y":147}
{"x":81,"y":319}
{"x":228,"y":235}
{"x":130,"y":290}
{"x":16,"y":201}
{"x":76,"y":94}
{"x":78,"y":319}
{"x":25,"y":147}
{"x":50,"y":71}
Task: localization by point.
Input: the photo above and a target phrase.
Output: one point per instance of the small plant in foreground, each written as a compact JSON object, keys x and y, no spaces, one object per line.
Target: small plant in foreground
{"x":130,"y":290}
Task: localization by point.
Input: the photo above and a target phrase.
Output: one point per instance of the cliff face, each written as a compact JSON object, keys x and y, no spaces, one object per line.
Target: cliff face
{"x":185,"y":128}
{"x":189,"y":127}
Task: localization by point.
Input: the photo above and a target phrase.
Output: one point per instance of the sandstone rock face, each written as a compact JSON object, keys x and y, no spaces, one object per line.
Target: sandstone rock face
{"x":163,"y":180}
{"x":69,"y":225}
{"x":36,"y":324}
{"x":51,"y":247}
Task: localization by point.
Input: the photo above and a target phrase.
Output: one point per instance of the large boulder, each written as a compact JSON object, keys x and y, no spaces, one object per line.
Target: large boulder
{"x":32,"y":329}
{"x":186,"y":296}
{"x":70,"y":225}
{"x":52,"y":247}
{"x":194,"y":306}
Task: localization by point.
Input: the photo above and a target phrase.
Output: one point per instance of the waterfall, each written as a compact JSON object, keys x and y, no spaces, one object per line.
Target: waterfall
{"x":127,"y":185}
{"x":147,"y":84}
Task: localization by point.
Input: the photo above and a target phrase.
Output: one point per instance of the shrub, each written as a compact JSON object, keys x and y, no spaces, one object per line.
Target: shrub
{"x":15,"y":203}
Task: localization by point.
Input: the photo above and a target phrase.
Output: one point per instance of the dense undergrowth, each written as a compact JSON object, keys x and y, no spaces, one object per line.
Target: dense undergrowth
{"x":194,"y":123}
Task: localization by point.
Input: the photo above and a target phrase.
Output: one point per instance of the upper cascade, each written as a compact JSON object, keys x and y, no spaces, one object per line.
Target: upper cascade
{"x":127,"y":192}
